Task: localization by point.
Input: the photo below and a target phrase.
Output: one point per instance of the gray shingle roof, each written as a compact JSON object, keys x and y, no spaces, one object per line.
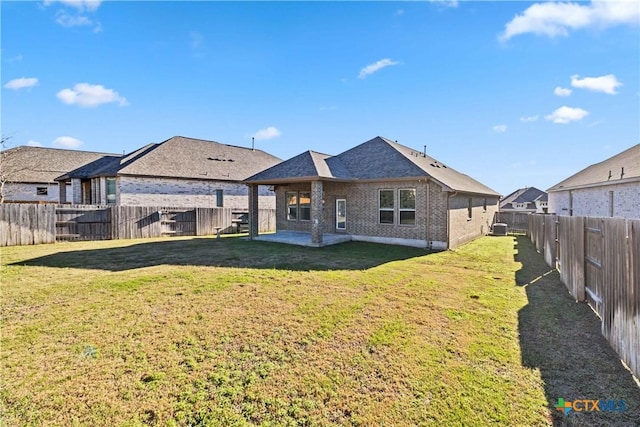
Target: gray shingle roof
{"x":376,"y":159}
{"x":622,"y":167}
{"x":187,"y":158}
{"x":43,"y":165}
{"x":522,"y":195}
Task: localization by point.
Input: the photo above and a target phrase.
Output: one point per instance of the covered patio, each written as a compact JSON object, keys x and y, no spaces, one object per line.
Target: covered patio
{"x":302,"y":239}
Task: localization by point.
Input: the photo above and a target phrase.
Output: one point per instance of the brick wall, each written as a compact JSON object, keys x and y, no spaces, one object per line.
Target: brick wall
{"x":463,"y":229}
{"x":597,"y":201}
{"x":363,"y":213}
{"x":141,"y":191}
{"x":23,"y":192}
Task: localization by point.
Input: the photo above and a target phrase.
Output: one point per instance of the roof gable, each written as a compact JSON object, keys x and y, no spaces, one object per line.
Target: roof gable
{"x":523,"y":195}
{"x":622,"y":166}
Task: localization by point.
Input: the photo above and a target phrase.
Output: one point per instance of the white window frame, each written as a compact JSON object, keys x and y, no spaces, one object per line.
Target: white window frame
{"x":392,"y":209}
{"x":401,"y":209}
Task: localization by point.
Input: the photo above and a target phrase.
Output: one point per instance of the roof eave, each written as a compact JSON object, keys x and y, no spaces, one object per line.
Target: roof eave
{"x":555,"y":188}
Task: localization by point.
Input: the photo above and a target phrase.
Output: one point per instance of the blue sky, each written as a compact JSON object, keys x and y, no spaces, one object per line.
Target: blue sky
{"x":512,"y":93}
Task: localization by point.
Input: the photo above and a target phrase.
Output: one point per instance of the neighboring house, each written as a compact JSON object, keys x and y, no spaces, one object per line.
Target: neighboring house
{"x":29,"y":173}
{"x":528,"y":199}
{"x":610,"y":188}
{"x":379,"y":191}
{"x":179,"y":172}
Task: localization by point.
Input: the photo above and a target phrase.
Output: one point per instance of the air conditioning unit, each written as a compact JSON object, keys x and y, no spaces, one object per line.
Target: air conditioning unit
{"x":500,"y":229}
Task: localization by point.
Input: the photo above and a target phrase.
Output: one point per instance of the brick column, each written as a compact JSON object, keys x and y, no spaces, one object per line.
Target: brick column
{"x":62,"y":192}
{"x":76,"y":192}
{"x":316,"y":212}
{"x":253,"y":211}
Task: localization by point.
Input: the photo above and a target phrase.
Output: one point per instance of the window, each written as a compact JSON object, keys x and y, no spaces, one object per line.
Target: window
{"x":386,"y":206}
{"x":470,"y":208}
{"x":219,"y":198}
{"x":407,"y":206}
{"x":292,"y":206}
{"x":298,"y":206}
{"x":42,"y":191}
{"x":304,"y":206}
{"x":111,"y":191}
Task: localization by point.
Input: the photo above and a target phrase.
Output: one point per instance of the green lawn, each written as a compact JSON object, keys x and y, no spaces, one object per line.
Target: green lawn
{"x":199,"y":331}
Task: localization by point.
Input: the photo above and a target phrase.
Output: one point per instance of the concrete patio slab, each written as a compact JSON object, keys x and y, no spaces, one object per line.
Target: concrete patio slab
{"x":302,"y":239}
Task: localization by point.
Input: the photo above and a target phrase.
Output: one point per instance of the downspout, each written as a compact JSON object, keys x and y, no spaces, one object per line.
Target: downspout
{"x":454,"y":194}
{"x":428,"y":216}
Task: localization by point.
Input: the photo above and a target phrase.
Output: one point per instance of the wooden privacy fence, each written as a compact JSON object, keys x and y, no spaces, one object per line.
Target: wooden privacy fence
{"x":599,"y":263}
{"x":28,"y":224}
{"x":517,"y":222}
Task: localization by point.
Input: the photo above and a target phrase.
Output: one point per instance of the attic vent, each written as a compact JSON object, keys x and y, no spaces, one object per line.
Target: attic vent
{"x":435,"y":165}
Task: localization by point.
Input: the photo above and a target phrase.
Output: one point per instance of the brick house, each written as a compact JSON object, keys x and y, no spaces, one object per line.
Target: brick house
{"x":29,"y":173}
{"x":610,"y":188}
{"x":179,"y":172}
{"x":528,"y":199}
{"x":379,"y":191}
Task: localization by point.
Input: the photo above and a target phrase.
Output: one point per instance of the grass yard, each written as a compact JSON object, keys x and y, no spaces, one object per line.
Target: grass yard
{"x":199,"y":331}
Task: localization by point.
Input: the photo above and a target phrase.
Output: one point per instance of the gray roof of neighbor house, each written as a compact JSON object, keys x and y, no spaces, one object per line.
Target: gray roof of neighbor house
{"x":621,"y":168}
{"x":378,"y":159}
{"x":186,"y":158}
{"x":522,"y":195}
{"x":28,"y":164}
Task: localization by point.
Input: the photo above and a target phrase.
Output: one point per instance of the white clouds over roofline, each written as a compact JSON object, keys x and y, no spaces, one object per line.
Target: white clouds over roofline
{"x":67,"y":142}
{"x":88,"y":95}
{"x":267,"y":133}
{"x":557,"y":19}
{"x":606,"y":84}
{"x":376,"y":66}
{"x":21,"y":83}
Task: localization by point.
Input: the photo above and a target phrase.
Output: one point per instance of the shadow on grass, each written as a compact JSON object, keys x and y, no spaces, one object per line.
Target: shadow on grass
{"x":228,"y":252}
{"x":563,"y":340}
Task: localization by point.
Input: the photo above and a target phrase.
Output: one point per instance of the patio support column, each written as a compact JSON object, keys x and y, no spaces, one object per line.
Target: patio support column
{"x":253,"y":211}
{"x":62,"y":192}
{"x":316,"y":212}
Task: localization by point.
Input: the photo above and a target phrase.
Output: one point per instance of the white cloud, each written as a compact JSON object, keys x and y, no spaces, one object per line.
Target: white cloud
{"x":562,"y":91}
{"x":606,"y":84}
{"x":81,"y":5}
{"x":267,"y":133}
{"x":87,"y":95}
{"x":445,"y":3}
{"x":32,"y":143}
{"x":67,"y":142}
{"x":376,"y":66}
{"x":500,"y":128}
{"x":564,"y":115}
{"x":529,"y":119}
{"x":17,"y":58}
{"x":557,"y":19}
{"x":68,"y":21}
{"x":21,"y":83}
